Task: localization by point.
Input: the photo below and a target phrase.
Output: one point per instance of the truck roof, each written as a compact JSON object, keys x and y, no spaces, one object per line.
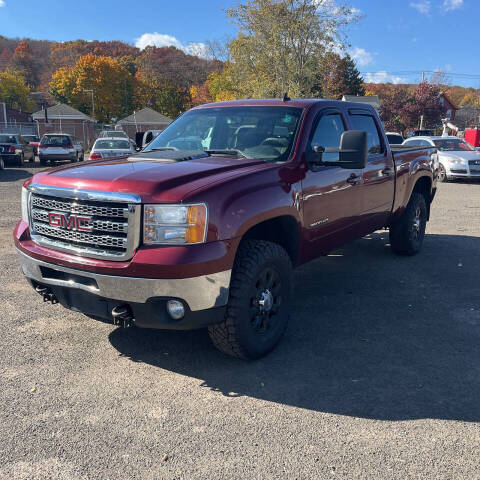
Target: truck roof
{"x":296,"y":102}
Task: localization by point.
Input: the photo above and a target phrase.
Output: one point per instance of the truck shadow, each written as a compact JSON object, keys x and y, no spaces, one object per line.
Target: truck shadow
{"x":371,"y":335}
{"x":13,"y":174}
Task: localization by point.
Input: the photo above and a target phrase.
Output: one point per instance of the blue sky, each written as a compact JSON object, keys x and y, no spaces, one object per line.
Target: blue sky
{"x":394,"y":41}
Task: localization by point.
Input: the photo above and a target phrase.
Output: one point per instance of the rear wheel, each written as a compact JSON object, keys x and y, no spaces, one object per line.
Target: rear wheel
{"x":258,"y":306}
{"x":2,"y":164}
{"x":43,"y":161}
{"x":442,"y":174}
{"x":408,"y":232}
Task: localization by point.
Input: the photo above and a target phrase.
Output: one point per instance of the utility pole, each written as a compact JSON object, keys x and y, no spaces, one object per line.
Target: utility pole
{"x":93,"y":101}
{"x":423,"y":77}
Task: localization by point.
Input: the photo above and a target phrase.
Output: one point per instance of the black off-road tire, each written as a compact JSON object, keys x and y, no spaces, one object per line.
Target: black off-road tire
{"x":261,"y":276}
{"x":408,"y":232}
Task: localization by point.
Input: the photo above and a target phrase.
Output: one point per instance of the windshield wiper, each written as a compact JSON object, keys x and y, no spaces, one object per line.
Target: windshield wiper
{"x":230,"y":151}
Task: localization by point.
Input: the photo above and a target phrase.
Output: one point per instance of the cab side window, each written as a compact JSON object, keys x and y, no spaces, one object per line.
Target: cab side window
{"x":327,"y":134}
{"x":367,"y":124}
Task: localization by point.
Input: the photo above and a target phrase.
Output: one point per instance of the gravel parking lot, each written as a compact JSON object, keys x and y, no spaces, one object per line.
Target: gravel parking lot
{"x":378,"y":376}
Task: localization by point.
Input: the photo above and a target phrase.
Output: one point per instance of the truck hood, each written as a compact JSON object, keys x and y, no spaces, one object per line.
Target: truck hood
{"x":155,"y":177}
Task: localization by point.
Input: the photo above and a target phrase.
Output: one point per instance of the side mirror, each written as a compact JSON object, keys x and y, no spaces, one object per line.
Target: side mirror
{"x":352,"y":154}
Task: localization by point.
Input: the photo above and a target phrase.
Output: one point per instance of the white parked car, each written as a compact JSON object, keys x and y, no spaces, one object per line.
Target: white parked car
{"x":457,"y":158}
{"x":111,"y":147}
{"x":113,"y":134}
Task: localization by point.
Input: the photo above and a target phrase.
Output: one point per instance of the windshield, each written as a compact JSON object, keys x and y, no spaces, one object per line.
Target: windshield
{"x":255,"y":132}
{"x":394,"y":139}
{"x":453,"y":145}
{"x":8,"y":139}
{"x":114,"y":134}
{"x":57,"y":140}
{"x":31,"y":138}
{"x":111,"y":145}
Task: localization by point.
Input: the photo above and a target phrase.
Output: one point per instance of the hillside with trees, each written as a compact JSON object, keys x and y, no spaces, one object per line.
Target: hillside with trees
{"x":294,"y":46}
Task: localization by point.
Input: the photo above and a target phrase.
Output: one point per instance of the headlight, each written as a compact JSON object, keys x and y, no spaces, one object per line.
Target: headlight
{"x":174,"y":224}
{"x":25,"y":197}
{"x":455,"y":160}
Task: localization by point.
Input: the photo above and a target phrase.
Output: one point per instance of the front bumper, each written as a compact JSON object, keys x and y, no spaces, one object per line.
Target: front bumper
{"x":10,"y":157}
{"x":204,"y":297}
{"x":459,"y":171}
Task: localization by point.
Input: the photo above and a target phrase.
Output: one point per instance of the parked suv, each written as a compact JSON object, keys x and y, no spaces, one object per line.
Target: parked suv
{"x":57,"y":146}
{"x":14,"y":149}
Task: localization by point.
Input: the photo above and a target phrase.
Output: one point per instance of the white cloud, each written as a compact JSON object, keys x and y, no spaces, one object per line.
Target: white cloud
{"x":2,"y":3}
{"x":361,"y":56}
{"x":452,"y":4}
{"x":163,"y":40}
{"x":423,"y":6}
{"x":383,"y":77}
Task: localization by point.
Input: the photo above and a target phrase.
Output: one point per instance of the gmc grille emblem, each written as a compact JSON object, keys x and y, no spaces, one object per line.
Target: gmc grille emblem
{"x":70,"y":222}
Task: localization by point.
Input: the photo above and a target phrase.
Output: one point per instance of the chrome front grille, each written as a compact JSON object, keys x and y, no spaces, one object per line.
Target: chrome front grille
{"x":70,"y":207}
{"x":108,"y":224}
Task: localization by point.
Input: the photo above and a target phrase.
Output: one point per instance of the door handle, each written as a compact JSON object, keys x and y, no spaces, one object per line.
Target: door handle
{"x":353,"y":179}
{"x":387,"y":171}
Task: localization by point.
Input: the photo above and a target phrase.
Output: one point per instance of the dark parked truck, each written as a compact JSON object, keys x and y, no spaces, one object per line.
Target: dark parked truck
{"x":203,"y":227}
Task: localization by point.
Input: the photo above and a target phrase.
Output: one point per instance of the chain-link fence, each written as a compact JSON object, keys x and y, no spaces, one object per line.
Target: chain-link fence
{"x":19,"y":128}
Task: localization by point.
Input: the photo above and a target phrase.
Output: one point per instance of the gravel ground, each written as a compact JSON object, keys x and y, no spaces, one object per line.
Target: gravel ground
{"x":378,"y":376}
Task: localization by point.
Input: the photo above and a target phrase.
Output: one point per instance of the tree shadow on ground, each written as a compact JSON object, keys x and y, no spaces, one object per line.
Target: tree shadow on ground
{"x":371,"y":335}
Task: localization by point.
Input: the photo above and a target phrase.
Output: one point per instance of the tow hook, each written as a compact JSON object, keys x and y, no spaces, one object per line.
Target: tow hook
{"x":122,"y":316}
{"x":47,"y":294}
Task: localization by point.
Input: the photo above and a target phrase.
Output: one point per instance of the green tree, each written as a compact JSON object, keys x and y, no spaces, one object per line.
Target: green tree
{"x":154,"y":91}
{"x":15,"y":92}
{"x":281,"y":43}
{"x":339,"y":76}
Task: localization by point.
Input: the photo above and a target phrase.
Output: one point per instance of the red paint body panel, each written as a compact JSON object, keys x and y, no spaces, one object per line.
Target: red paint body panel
{"x":241,"y":193}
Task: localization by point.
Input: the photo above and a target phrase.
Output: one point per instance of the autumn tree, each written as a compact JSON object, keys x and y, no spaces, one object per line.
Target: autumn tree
{"x":110,"y":81}
{"x":394,"y":110}
{"x":200,"y":94}
{"x":222,"y":86}
{"x":22,"y":61}
{"x":338,"y":76}
{"x":281,"y":43}
{"x":15,"y":92}
{"x":154,"y":91}
{"x":426,"y":102}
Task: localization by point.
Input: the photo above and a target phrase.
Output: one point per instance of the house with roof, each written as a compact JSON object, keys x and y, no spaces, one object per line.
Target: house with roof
{"x":449,"y":110}
{"x":62,"y":118}
{"x":143,"y":120}
{"x":372,"y":100}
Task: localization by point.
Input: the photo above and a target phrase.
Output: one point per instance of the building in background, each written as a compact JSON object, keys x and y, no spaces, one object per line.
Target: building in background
{"x":62,"y":118}
{"x":372,"y":100}
{"x":16,"y":121}
{"x":449,"y":110}
{"x":143,"y":120}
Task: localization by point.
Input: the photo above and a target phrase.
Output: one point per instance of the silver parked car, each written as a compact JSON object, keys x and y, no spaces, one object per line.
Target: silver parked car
{"x":457,"y":158}
{"x":58,"y":146}
{"x":111,"y":147}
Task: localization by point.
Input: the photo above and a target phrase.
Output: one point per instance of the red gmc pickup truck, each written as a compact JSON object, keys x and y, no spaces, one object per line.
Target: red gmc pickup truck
{"x":203,"y":227}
